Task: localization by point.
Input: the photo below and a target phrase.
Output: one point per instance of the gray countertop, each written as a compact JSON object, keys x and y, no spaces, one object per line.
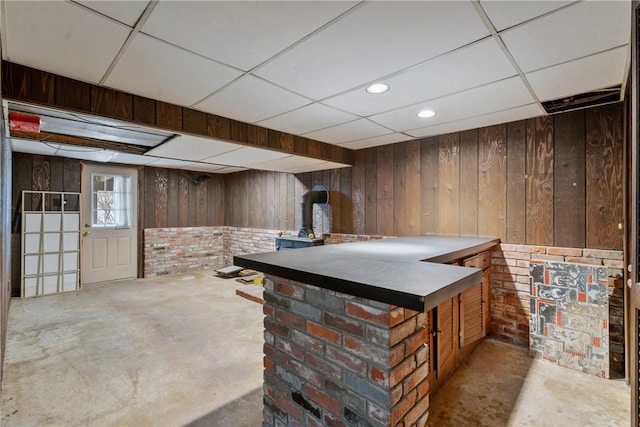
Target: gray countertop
{"x":404,"y":271}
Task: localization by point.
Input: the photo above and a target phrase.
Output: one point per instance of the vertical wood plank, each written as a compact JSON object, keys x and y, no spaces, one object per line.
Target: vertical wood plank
{"x":604,"y":177}
{"x":244,"y":203}
{"x":161,"y":198}
{"x":449,"y":184}
{"x":385,"y":190}
{"x":173,"y":190}
{"x":56,"y":170}
{"x":569,"y":180}
{"x":72,"y":94}
{"x":219,"y":201}
{"x":257,"y":135}
{"x":299,"y":190}
{"x":21,"y":180}
{"x":71,"y":179}
{"x":429,"y":161}
{"x":335,"y":198}
{"x":193,"y":198}
{"x":540,"y":181}
{"x":314,"y":148}
{"x":141,"y":215}
{"x":371,"y":191}
{"x":40,"y":173}
{"x":469,"y":183}
{"x":111,"y":103}
{"x":282,"y":179}
{"x":183,"y":201}
{"x":27,"y":83}
{"x":492,"y":186}
{"x":399,"y":188}
{"x":194,"y":121}
{"x":358,"y":192}
{"x":239,"y":131}
{"x":148,"y":195}
{"x":291,"y":202}
{"x":168,"y":116}
{"x":270,"y":200}
{"x":218,"y":127}
{"x":346,"y":205}
{"x":144,"y":110}
{"x":202,"y":204}
{"x":516,"y":182}
{"x":300,"y":145}
{"x":413,"y":199}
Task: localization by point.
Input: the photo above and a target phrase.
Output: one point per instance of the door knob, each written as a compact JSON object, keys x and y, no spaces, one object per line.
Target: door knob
{"x":85,"y":234}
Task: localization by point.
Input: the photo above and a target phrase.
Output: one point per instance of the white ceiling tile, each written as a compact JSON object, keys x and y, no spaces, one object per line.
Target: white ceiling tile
{"x":475,"y":65}
{"x":287,"y":164}
{"x":61,"y":37}
{"x":203,"y":167}
{"x":230,"y":170}
{"x":127,"y":12}
{"x":188,"y":147}
{"x":169,"y":163}
{"x":244,"y":100}
{"x":579,"y":30}
{"x":497,"y":96}
{"x":132,"y":159}
{"x":505,"y":14}
{"x":258,"y":30}
{"x":157,"y":70}
{"x":376,"y":141}
{"x":245,"y":156}
{"x":307,"y":119}
{"x":34,"y":147}
{"x":579,"y":76}
{"x":372,"y":41}
{"x":357,"y":129}
{"x":514,"y":114}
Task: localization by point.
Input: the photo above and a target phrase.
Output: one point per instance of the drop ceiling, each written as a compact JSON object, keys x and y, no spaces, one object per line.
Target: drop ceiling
{"x":302,"y":67}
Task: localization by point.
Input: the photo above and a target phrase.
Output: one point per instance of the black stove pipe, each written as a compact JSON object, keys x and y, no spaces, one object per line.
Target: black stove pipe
{"x":306,"y":210}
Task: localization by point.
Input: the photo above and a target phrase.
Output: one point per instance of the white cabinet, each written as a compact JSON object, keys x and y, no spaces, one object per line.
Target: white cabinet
{"x":50,"y":242}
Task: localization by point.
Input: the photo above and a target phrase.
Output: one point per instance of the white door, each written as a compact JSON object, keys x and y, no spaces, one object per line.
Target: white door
{"x":109,"y":223}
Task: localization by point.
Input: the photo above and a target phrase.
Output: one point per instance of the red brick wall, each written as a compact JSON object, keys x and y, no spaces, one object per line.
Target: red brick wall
{"x":510,"y":290}
{"x":334,"y":359}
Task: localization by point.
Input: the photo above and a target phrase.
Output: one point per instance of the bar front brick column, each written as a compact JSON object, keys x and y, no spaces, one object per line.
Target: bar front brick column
{"x":339,"y":360}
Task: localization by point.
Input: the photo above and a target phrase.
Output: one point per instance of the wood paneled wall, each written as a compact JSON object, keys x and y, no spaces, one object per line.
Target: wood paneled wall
{"x":30,"y":85}
{"x":169,"y":199}
{"x":555,"y":180}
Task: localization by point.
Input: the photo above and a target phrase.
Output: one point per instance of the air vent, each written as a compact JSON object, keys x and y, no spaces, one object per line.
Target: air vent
{"x":584,"y":100}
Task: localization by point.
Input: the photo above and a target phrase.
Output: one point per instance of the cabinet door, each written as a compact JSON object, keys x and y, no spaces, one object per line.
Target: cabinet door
{"x":486,"y":302}
{"x":447,"y":333}
{"x":471,"y":315}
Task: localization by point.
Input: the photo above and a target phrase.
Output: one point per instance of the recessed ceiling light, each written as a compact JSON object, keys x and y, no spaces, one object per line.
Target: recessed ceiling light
{"x":378,"y":88}
{"x":424,"y":114}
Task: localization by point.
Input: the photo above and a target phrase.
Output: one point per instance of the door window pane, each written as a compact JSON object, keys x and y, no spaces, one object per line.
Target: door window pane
{"x":110,"y":201}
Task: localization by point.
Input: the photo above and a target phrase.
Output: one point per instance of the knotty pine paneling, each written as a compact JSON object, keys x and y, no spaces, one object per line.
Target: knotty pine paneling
{"x":539,"y":170}
{"x":469,"y":183}
{"x":569,"y":180}
{"x":604,"y":177}
{"x":516,"y":182}
{"x":429,"y":160}
{"x":399,"y":188}
{"x":492,"y":183}
{"x":412,"y":198}
{"x":449,"y":184}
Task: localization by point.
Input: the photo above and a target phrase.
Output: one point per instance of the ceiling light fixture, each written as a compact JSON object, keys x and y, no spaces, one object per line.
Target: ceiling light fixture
{"x":378,"y":88}
{"x":425,"y":114}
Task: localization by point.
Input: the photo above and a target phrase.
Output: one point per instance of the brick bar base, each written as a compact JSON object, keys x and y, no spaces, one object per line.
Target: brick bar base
{"x":335,"y":359}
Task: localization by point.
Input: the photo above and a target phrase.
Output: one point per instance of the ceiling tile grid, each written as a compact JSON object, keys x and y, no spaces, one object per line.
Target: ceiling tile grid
{"x":302,"y":67}
{"x":61,"y":37}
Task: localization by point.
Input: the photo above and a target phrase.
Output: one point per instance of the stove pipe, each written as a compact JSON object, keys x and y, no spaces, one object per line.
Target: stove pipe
{"x":306,"y":209}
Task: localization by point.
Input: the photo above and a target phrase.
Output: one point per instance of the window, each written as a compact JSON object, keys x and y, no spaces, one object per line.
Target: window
{"x":110,"y":201}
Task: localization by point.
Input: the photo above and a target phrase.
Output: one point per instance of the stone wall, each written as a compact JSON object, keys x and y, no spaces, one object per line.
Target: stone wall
{"x":510,"y":291}
{"x":339,"y":360}
{"x":176,"y":250}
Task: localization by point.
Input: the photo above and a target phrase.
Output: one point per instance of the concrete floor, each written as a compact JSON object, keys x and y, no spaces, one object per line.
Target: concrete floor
{"x":172,"y":351}
{"x":184,"y":350}
{"x":516,"y":390}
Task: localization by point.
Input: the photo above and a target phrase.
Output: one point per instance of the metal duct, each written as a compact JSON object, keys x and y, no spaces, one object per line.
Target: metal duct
{"x":318,"y":195}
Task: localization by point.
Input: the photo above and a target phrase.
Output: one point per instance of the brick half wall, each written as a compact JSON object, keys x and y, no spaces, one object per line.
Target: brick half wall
{"x":511,"y":284}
